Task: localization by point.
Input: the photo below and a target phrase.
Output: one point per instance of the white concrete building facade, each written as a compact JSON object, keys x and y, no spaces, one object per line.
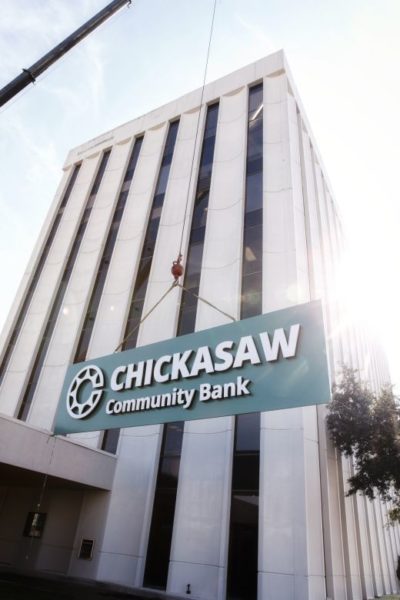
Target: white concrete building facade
{"x":234,"y":507}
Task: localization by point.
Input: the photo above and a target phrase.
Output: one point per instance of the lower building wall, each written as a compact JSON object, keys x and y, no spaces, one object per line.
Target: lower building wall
{"x":52,"y":551}
{"x":90,"y":526}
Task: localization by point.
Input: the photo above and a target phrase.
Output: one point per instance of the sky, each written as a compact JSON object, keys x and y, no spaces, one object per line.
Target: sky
{"x":344,"y":56}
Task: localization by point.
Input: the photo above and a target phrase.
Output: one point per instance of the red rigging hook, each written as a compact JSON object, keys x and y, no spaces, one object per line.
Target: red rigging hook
{"x":177,"y":268}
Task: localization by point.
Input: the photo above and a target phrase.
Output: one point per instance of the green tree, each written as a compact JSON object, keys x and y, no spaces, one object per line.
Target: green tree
{"x":367,"y":427}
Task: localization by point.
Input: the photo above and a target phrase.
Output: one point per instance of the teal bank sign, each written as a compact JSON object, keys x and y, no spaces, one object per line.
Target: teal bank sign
{"x":268,"y":362}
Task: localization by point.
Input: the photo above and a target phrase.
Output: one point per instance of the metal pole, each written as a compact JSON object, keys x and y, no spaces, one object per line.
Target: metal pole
{"x":29,"y":75}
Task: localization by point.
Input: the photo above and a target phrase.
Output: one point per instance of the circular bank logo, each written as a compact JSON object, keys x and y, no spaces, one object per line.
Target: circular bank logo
{"x":85,"y":392}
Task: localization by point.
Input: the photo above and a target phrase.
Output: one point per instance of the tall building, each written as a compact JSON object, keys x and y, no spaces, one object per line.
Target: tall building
{"x":243,"y":507}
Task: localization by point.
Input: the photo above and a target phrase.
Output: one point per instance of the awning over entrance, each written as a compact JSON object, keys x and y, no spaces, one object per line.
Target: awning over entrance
{"x":28,"y":453}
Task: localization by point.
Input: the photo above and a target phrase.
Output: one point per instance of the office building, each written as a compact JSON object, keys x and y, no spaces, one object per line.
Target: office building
{"x":242,"y":507}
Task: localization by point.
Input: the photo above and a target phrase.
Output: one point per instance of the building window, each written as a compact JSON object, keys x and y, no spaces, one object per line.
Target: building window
{"x":39,"y":267}
{"x":162,"y":522}
{"x":188,"y":308}
{"x":159,"y":546}
{"x":86,"y":549}
{"x":57,"y":304}
{"x":251,"y":299}
{"x":146,"y":258}
{"x":34,"y":524}
{"x":110,"y":440}
{"x":243,"y":535}
{"x":86,"y":332}
{"x":243,"y":532}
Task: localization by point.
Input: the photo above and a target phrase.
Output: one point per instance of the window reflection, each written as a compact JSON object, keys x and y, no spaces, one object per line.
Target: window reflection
{"x":162,"y":521}
{"x":187,"y":313}
{"x":251,"y":296}
{"x":142,"y":279}
{"x":243,"y":538}
{"x":84,"y":340}
{"x":243,"y":535}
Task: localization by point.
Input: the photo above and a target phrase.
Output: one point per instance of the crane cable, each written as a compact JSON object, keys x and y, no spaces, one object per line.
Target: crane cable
{"x":198,"y":124}
{"x":177,"y":268}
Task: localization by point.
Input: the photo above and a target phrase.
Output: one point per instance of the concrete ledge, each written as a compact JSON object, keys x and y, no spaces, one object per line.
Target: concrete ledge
{"x":38,"y":451}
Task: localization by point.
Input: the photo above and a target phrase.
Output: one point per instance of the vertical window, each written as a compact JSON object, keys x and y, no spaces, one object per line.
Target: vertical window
{"x":243,"y":533}
{"x":162,"y":522}
{"x":110,"y":439}
{"x":243,"y":536}
{"x":160,"y":536}
{"x":251,"y":300}
{"x":48,"y":331}
{"x":146,"y":258}
{"x":188,"y":308}
{"x":39,"y":267}
{"x":98,"y":287}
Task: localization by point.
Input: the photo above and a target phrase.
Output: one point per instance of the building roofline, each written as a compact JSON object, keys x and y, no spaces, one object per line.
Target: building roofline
{"x":272,"y":64}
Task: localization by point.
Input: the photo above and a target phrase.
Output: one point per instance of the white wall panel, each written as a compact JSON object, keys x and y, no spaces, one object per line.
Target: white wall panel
{"x":200,"y":540}
{"x":68,"y":325}
{"x":109,"y":326}
{"x":342,"y":354}
{"x":333,"y":544}
{"x":222,"y":257}
{"x":170,"y":232}
{"x":142,"y":445}
{"x":130,"y":505}
{"x":374,"y":543}
{"x":386,"y":536}
{"x":332,"y":509}
{"x":291,"y":546}
{"x":33,"y":260}
{"x":35,"y":321}
{"x":90,"y":526}
{"x":316,"y":266}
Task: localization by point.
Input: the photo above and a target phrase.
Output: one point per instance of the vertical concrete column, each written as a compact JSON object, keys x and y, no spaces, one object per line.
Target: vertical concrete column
{"x":73,"y":310}
{"x":391,"y":548}
{"x":352,"y":357}
{"x":33,"y":260}
{"x":111,"y":315}
{"x":382,"y":547}
{"x":178,"y":204}
{"x":109,"y":326}
{"x":336,"y":556}
{"x":125,"y":542}
{"x":367,"y":528}
{"x":397,"y":537}
{"x":291,"y":546}
{"x":374,"y":544}
{"x":127,"y":512}
{"x":356,"y":584}
{"x":32,"y":328}
{"x":333,"y":543}
{"x":200,"y":540}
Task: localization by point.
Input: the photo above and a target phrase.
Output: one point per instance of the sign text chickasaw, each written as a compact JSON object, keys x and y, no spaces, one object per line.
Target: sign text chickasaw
{"x":268,"y":362}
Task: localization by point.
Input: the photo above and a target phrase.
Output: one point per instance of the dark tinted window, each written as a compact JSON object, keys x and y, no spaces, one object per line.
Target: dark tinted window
{"x":142,"y":279}
{"x":187,"y":313}
{"x":251,"y":297}
{"x":159,"y":546}
{"x":98,"y":287}
{"x":243,"y":533}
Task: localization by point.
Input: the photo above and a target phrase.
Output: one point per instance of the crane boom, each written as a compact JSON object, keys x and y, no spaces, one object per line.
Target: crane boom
{"x":30,"y":75}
